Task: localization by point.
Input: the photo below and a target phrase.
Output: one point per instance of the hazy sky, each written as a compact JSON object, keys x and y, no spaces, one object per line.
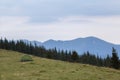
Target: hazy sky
{"x":60,"y":19}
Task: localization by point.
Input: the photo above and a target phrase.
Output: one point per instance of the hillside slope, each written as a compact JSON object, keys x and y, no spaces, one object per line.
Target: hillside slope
{"x":45,"y":69}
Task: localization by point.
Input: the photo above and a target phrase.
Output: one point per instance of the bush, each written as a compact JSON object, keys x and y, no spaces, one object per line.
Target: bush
{"x":26,"y":58}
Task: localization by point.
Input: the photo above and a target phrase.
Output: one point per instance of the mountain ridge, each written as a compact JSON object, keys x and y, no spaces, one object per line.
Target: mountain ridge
{"x":92,"y":44}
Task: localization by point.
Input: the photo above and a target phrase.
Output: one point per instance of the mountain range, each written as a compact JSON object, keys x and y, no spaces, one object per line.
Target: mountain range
{"x":92,"y":44}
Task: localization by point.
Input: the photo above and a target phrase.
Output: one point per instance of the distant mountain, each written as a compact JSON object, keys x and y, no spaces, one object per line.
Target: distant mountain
{"x":92,"y":44}
{"x":32,"y":42}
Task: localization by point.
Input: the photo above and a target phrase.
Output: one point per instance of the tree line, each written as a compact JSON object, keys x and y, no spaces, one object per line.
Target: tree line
{"x":70,"y":56}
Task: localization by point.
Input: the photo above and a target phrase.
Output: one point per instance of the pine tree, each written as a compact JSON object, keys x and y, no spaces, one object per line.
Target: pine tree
{"x":107,"y":61}
{"x":115,"y":60}
{"x":75,"y":56}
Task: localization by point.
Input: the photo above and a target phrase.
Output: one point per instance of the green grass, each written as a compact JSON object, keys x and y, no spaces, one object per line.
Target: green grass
{"x":45,"y":69}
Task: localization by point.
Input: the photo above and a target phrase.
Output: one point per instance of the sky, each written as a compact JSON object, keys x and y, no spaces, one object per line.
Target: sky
{"x":60,"y":19}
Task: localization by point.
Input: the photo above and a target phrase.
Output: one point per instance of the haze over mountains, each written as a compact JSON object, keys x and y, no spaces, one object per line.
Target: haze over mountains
{"x":92,"y":44}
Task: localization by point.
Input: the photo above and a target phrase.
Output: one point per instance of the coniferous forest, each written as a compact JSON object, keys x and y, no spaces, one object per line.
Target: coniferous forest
{"x":70,"y":56}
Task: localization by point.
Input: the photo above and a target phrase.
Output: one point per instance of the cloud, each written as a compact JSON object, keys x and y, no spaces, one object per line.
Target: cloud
{"x":59,"y":19}
{"x":15,"y":27}
{"x":114,"y":20}
{"x":7,"y":21}
{"x":51,"y":10}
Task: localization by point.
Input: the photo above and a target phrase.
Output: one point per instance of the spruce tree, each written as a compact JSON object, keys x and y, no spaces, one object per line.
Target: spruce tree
{"x":115,"y":60}
{"x":75,"y":56}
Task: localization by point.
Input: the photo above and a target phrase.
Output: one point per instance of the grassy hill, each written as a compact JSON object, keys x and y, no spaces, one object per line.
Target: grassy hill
{"x":44,"y":69}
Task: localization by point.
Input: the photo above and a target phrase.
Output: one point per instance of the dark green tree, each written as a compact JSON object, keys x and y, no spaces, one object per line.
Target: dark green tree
{"x":75,"y":56}
{"x":115,"y":59}
{"x":107,"y":61}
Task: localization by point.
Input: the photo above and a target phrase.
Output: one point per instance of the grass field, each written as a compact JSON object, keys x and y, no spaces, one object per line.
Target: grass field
{"x":45,"y":69}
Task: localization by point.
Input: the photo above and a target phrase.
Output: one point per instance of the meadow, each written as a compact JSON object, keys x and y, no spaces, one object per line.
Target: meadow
{"x":46,"y":69}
